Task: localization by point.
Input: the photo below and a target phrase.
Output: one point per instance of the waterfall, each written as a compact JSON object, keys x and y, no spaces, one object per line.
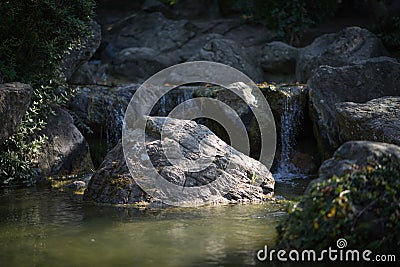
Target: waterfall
{"x":292,"y":112}
{"x":184,"y":95}
{"x":163,"y":106}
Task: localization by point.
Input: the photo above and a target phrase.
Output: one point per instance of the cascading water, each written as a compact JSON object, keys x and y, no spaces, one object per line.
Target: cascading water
{"x":292,"y":112}
{"x":184,"y":96}
{"x":163,"y":106}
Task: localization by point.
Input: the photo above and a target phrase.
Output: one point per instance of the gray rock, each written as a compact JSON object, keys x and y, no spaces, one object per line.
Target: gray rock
{"x":138,"y":64}
{"x":151,"y":30}
{"x":194,"y":45}
{"x":93,"y":73}
{"x":228,"y":52}
{"x":358,"y":83}
{"x":354,"y":155}
{"x":65,"y":151}
{"x":75,"y":185}
{"x":279,"y":60}
{"x":375,"y":120}
{"x":78,"y":56}
{"x":113,"y":183}
{"x":14,"y":102}
{"x":85,"y":74}
{"x":338,"y":49}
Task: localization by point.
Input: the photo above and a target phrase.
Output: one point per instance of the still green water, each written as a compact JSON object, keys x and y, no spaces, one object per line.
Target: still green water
{"x":44,"y":227}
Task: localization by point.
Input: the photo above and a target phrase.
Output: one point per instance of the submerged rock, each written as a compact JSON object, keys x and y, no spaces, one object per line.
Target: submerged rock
{"x":112,"y":182}
{"x":329,"y":86}
{"x":14,"y":102}
{"x":65,"y":151}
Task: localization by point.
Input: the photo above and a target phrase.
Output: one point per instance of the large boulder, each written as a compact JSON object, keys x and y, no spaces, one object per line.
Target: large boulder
{"x":358,"y":83}
{"x":148,"y":30}
{"x":349,"y":45}
{"x":137,"y":64}
{"x":14,"y":101}
{"x":74,"y":58}
{"x":228,"y":52}
{"x":156,"y":36}
{"x":375,"y":120}
{"x":65,"y":150}
{"x":113,"y":183}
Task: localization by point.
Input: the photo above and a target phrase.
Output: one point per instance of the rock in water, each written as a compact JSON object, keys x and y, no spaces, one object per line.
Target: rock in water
{"x":112,"y":183}
{"x":371,"y":79}
{"x":65,"y":150}
{"x":14,"y":101}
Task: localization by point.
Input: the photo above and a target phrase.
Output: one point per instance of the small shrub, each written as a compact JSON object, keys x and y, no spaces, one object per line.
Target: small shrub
{"x":362,"y":207}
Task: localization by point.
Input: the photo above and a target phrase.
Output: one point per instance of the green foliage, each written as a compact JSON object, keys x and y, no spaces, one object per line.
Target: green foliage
{"x":288,"y":19}
{"x":34,"y":36}
{"x":362,"y":207}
